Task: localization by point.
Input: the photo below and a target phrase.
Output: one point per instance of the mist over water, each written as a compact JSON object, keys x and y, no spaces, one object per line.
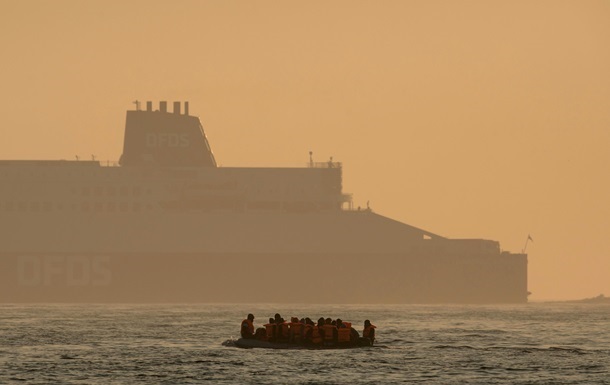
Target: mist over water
{"x":101,"y":344}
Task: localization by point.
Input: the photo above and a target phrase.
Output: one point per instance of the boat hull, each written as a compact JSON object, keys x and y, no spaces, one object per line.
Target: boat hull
{"x":257,"y":344}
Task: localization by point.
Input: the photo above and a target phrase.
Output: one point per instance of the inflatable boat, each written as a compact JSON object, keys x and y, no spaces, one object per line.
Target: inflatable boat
{"x":254,"y":343}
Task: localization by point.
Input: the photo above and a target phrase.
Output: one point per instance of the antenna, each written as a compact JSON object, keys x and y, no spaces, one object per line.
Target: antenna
{"x":77,"y":158}
{"x":310,"y":158}
{"x":92,"y":157}
{"x":529,"y":238}
{"x":137,"y":103}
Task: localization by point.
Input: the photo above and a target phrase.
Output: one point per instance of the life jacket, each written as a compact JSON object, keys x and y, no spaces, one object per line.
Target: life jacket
{"x":344,"y":334}
{"x":282,"y":331}
{"x":296,"y":327}
{"x":270,"y":331}
{"x":316,"y":338}
{"x":296,"y":331}
{"x":329,"y":332}
{"x":249,"y":325}
{"x":367,"y":330}
{"x":307,"y":329}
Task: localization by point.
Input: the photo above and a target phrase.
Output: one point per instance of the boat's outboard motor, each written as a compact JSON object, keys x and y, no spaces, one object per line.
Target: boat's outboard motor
{"x":160,"y":138}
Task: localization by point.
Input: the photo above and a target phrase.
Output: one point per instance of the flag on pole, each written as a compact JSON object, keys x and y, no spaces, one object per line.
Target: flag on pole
{"x":530,"y":237}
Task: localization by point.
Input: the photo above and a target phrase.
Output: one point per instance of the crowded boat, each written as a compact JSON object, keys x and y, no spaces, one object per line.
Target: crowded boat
{"x":304,"y":332}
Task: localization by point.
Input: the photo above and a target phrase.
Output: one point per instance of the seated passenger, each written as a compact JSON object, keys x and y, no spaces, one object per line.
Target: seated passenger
{"x":330,"y":332}
{"x":247,"y":327}
{"x":260,"y":334}
{"x":307,"y":330}
{"x":282,"y":332}
{"x":270,"y":330}
{"x":278,"y":320}
{"x":369,"y":331}
{"x":296,"y":331}
{"x":317,"y":332}
{"x":344,"y":332}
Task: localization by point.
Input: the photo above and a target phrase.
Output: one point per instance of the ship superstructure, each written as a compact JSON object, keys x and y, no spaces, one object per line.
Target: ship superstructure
{"x":167,"y":224}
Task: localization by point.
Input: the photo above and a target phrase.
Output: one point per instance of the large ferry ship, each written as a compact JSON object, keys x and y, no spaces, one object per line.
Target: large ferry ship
{"x":167,"y":224}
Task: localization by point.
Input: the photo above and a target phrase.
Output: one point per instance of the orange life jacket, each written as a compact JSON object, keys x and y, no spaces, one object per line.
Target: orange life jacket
{"x":329,"y":332}
{"x":270,"y":330}
{"x":316,"y":338}
{"x":306,"y":329}
{"x":283,"y":330}
{"x":344,"y":334}
{"x":296,"y":327}
{"x":367,"y":330}
{"x":249,"y":325}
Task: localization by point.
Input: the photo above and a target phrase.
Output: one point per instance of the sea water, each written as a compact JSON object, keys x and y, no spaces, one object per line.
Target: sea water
{"x":536,"y":343}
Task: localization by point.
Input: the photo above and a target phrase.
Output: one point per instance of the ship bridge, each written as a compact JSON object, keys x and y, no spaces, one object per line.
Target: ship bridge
{"x":174,"y":146}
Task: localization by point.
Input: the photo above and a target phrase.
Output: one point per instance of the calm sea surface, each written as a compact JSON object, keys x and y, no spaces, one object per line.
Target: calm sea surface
{"x":173,"y":344}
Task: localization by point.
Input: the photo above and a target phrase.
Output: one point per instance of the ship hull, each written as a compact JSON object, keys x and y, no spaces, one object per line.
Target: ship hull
{"x":260,"y":277}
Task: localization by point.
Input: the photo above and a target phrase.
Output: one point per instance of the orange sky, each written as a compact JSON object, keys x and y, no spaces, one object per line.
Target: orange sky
{"x":466,"y":118}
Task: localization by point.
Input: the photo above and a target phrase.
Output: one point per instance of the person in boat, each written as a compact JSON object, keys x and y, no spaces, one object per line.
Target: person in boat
{"x":260,"y":334}
{"x":369,"y":331}
{"x":330,"y":332}
{"x":316,"y":334}
{"x":277,"y":318}
{"x":296,"y":331}
{"x":276,"y":330}
{"x":270,"y":330}
{"x":308,"y":326}
{"x":282,"y":331}
{"x":344,"y":332}
{"x":247,"y":327}
{"x":320,"y":329}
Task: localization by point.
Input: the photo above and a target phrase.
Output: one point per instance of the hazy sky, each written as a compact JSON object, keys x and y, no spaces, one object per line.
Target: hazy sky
{"x":474,"y":119}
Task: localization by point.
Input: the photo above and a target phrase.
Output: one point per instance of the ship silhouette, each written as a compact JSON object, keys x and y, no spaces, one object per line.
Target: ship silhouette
{"x":167,"y":224}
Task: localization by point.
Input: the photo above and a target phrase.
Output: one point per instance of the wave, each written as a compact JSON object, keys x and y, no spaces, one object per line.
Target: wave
{"x":521,"y":349}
